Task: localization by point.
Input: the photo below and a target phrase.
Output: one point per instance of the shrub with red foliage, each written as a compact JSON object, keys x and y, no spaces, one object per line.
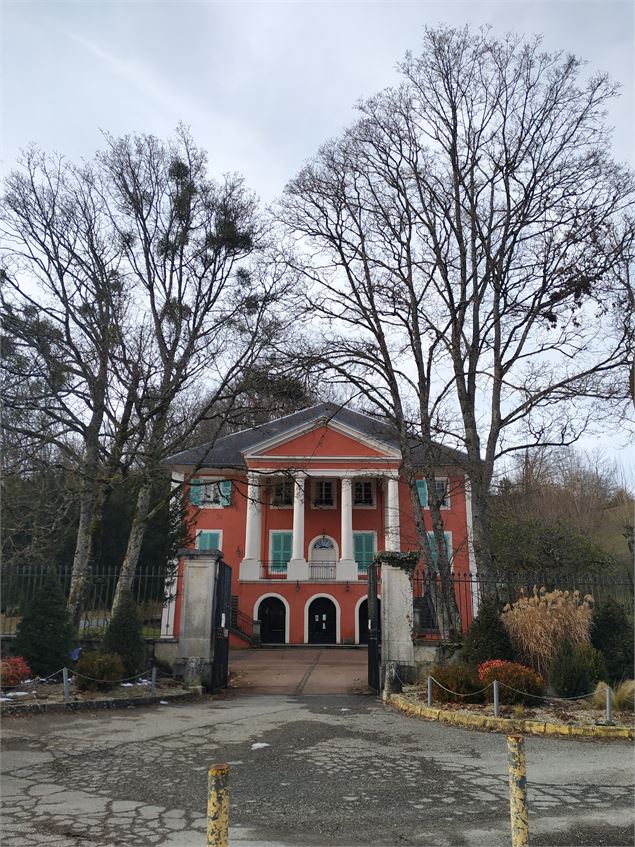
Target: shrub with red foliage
{"x":14,"y":670}
{"x":529,"y":685}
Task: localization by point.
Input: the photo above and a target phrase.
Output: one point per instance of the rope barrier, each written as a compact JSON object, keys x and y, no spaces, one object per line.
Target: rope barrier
{"x":126,"y":679}
{"x":516,"y":690}
{"x":457,"y":693}
{"x":546,"y":696}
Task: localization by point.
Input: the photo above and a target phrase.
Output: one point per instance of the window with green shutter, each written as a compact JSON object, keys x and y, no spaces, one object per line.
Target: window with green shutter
{"x":195,"y":492}
{"x":205,"y":492}
{"x":363,"y":549}
{"x":208,"y":540}
{"x":435,"y":552}
{"x":422,"y":489}
{"x":225,"y":492}
{"x":281,"y":542}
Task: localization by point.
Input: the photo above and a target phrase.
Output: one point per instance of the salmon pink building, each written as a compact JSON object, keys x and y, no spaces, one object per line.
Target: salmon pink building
{"x":299,"y":507}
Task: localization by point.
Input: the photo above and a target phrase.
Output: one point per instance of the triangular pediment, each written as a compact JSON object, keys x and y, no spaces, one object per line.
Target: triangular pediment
{"x":322,"y":440}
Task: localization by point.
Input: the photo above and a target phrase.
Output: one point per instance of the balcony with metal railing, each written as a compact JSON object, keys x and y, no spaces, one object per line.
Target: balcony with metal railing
{"x":315,"y":571}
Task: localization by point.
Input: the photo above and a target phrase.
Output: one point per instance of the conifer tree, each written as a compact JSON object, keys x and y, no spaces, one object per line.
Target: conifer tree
{"x":124,"y":635}
{"x":44,"y":636}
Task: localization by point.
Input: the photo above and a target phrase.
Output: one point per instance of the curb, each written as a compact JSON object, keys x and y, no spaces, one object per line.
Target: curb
{"x":91,"y":705}
{"x":489,"y":723}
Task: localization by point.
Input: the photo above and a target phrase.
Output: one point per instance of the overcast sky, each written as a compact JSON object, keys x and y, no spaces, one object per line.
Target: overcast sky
{"x":261,"y":84}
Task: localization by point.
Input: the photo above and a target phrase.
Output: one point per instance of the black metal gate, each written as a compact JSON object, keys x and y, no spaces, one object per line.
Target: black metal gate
{"x":374,"y":628}
{"x":220,"y":630}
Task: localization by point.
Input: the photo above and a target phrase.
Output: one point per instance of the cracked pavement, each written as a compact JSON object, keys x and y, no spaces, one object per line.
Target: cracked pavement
{"x":339,"y":769}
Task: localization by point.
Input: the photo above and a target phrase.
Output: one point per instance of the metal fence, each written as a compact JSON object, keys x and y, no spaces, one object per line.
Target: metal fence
{"x":153,"y":588}
{"x":471,"y":589}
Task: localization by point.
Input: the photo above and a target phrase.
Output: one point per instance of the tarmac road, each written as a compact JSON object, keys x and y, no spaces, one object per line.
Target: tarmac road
{"x":339,"y":769}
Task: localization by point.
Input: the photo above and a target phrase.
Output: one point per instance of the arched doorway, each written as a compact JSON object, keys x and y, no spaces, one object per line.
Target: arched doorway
{"x":362,"y":620}
{"x":273,"y":618}
{"x":322,"y":621}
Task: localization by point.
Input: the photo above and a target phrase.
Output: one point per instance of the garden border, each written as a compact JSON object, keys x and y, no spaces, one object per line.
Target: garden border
{"x":88,"y":705}
{"x":487,"y":723}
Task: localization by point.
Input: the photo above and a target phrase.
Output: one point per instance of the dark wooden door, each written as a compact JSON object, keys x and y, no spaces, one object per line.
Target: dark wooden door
{"x":322,"y":621}
{"x":273,"y":619}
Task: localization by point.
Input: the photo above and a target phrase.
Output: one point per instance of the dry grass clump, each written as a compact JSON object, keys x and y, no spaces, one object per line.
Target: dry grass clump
{"x":623,"y":696}
{"x":538,"y":624}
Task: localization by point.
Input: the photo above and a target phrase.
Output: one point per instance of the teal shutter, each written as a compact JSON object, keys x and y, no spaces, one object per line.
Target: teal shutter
{"x":280,"y":550}
{"x":195,"y":492}
{"x":207,"y":540}
{"x":435,"y":552}
{"x":226,"y":492}
{"x":363,"y":549}
{"x":422,"y":488}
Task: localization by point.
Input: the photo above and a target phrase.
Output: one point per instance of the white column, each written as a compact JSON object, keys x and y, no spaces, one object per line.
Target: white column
{"x":298,"y":567}
{"x":347,"y":569}
{"x":392,"y":538}
{"x":250,"y":565}
{"x":298,"y":517}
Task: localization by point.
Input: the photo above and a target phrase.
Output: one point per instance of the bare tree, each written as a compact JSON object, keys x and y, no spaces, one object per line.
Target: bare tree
{"x":64,"y":301}
{"x":465,"y":244}
{"x":125,"y":289}
{"x":209,"y":316}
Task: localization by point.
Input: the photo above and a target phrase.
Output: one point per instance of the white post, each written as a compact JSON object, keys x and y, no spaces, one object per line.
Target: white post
{"x":392,"y":538}
{"x":250,"y":565}
{"x":298,"y":567}
{"x":347,"y":569}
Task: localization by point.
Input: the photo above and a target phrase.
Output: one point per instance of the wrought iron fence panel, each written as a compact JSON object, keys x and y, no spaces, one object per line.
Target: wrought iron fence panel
{"x":153,"y":588}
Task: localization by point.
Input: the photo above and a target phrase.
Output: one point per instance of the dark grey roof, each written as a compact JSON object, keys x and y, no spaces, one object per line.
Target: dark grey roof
{"x":227,"y":452}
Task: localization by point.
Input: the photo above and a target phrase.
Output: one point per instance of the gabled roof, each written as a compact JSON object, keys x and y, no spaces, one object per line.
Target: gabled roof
{"x":229,"y":451}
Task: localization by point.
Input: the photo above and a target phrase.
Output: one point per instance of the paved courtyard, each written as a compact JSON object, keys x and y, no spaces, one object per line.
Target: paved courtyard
{"x":306,"y":769}
{"x":300,"y":670}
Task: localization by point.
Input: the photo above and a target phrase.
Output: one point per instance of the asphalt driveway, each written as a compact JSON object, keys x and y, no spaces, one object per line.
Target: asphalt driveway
{"x":305,"y":770}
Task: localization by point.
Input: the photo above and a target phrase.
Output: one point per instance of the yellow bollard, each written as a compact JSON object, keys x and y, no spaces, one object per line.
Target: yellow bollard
{"x":517,"y":790}
{"x":217,"y":805}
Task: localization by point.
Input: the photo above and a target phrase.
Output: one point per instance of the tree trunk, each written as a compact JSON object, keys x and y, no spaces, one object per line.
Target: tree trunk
{"x":84,"y":542}
{"x":135,"y":540}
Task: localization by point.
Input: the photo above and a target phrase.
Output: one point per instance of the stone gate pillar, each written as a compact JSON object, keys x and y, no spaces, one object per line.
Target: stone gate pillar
{"x":195,"y":648}
{"x":396,"y":623}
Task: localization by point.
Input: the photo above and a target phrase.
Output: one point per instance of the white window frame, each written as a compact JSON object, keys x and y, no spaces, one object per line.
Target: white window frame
{"x":373,"y":493}
{"x":206,"y":481}
{"x":446,"y":481}
{"x":282,"y":481}
{"x":314,"y":485}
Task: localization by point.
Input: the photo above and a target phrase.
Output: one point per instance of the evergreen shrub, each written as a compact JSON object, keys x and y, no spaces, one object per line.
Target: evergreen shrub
{"x":124,"y":635}
{"x":612,"y":635}
{"x":96,"y":671}
{"x":527,"y":683}
{"x":44,"y":636}
{"x":460,"y":678}
{"x":486,"y":637}
{"x":576,"y":669}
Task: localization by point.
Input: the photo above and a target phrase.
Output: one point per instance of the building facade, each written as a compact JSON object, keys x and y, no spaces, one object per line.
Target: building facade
{"x":299,"y":507}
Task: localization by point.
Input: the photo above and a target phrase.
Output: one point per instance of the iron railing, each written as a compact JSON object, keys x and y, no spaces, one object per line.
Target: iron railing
{"x":153,"y":588}
{"x":322,"y":571}
{"x":273,"y":570}
{"x":506,"y":587}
